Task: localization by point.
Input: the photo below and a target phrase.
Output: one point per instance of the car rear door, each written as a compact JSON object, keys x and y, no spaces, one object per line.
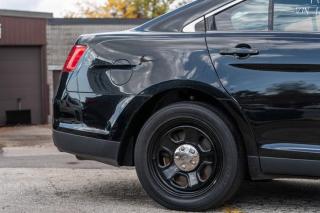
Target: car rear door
{"x":267,"y":57}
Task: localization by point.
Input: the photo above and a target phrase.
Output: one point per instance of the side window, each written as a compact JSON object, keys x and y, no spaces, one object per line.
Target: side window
{"x":296,"y":15}
{"x":251,"y":15}
{"x":200,"y":27}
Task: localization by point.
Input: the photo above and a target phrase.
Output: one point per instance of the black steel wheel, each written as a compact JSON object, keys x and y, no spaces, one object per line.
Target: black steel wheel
{"x":187,"y":158}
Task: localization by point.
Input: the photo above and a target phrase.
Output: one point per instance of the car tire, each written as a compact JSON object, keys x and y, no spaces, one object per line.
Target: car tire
{"x":187,"y":157}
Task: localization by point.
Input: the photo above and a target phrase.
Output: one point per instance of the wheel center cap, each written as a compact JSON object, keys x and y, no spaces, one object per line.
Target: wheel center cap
{"x":186,"y":157}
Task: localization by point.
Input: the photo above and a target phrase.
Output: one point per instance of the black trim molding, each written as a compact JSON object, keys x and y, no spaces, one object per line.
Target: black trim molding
{"x":87,"y":147}
{"x":291,"y":167}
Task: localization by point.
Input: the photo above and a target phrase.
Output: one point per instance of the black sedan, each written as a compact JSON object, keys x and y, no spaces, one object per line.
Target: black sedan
{"x":199,"y":99}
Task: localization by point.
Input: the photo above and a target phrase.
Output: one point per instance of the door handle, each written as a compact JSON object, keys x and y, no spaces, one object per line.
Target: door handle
{"x":239,"y":52}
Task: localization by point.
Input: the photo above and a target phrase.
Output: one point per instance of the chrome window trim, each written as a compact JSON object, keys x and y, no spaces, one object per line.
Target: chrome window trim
{"x":191,"y":28}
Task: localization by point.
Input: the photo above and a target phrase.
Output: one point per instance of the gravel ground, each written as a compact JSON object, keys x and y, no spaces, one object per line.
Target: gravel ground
{"x":25,"y":136}
{"x":40,"y":179}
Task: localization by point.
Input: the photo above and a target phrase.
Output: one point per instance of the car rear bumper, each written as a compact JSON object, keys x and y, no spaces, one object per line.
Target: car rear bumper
{"x":87,"y":147}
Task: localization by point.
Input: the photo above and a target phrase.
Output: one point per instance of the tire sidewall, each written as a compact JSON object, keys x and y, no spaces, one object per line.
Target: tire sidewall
{"x":212,"y":119}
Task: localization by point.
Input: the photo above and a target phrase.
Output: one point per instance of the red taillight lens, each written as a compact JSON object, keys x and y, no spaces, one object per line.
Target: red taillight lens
{"x":74,"y":57}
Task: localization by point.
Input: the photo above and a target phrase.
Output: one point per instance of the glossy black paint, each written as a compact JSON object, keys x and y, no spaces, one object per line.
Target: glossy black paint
{"x":271,"y":94}
{"x":278,"y":89}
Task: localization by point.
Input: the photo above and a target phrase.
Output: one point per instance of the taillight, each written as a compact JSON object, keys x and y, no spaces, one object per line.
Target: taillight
{"x":74,"y":57}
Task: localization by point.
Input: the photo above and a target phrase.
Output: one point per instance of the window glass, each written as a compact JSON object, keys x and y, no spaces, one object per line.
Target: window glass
{"x":251,"y":15}
{"x":297,"y":15}
{"x":200,"y":27}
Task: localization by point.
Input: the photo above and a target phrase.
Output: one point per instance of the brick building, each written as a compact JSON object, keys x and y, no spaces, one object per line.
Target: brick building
{"x":33,"y":48}
{"x":23,"y":69}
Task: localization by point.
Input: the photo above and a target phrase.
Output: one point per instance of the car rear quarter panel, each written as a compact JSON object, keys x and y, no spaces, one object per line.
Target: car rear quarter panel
{"x":126,"y":69}
{"x":121,"y":73}
{"x":153,"y":59}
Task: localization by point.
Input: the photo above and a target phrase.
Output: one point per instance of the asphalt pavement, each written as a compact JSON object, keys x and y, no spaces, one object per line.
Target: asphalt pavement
{"x":38,"y":178}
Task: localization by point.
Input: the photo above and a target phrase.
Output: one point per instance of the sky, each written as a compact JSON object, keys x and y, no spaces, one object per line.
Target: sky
{"x":58,"y":7}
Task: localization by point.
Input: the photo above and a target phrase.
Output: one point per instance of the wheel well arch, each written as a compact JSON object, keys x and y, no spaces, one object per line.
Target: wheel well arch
{"x":175,"y":95}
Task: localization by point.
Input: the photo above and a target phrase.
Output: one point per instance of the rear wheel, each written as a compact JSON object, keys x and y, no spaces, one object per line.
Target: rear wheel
{"x":187,"y":158}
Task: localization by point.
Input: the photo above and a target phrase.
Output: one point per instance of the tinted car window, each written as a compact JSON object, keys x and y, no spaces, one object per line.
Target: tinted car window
{"x":200,"y":27}
{"x":251,"y":15}
{"x":297,"y":15}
